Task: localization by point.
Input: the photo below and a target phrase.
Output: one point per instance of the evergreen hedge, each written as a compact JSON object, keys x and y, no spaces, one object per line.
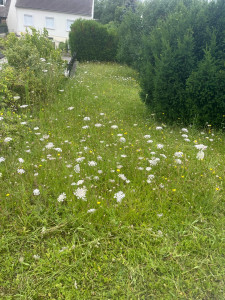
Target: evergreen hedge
{"x":178,"y":48}
{"x":92,"y":41}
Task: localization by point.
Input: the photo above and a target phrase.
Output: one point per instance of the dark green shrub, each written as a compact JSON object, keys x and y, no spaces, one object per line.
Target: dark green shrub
{"x":178,"y":76}
{"x":206,"y":92}
{"x":92,"y":41}
{"x":129,"y":39}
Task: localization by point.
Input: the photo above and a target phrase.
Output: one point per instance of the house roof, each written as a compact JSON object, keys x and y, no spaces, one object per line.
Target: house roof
{"x":74,"y":7}
{"x":5,"y":9}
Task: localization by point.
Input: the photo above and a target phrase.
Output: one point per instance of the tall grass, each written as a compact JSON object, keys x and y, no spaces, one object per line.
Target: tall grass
{"x":110,"y":205}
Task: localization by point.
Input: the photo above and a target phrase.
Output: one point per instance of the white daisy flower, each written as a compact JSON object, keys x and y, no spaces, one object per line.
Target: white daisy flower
{"x":92,"y":163}
{"x":150,"y":178}
{"x":80,"y":159}
{"x":80,"y":193}
{"x":49,"y":146}
{"x":20,"y":171}
{"x":77,"y":168}
{"x":119,"y":196}
{"x":122,"y":140}
{"x":201,"y":147}
{"x":122,"y":176}
{"x":154,"y":161}
{"x":7,"y":139}
{"x":200,"y":155}
{"x":92,"y":210}
{"x":178,"y":154}
{"x":86,"y":119}
{"x":79,"y":182}
{"x":36,"y":192}
{"x":61,"y":197}
{"x":160,"y":146}
{"x":45,"y":136}
{"x":178,"y":161}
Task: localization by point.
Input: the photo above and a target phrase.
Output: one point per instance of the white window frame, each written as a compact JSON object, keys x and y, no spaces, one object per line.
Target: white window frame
{"x":49,"y":25}
{"x":28,"y":24}
{"x":3,"y":3}
{"x":68,"y":24}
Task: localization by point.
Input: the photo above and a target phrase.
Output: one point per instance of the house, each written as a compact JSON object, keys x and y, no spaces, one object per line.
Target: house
{"x":54,"y":15}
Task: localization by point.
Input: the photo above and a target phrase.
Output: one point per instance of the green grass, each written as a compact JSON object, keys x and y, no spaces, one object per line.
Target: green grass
{"x":165,"y":240}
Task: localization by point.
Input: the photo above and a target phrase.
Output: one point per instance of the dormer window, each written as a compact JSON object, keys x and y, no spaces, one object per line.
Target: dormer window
{"x":2,"y":2}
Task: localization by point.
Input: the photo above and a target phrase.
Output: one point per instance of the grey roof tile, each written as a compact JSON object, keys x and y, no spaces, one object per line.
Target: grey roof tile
{"x":75,"y":7}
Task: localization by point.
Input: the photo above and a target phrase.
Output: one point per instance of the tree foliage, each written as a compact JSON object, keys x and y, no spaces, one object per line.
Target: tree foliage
{"x":107,"y":10}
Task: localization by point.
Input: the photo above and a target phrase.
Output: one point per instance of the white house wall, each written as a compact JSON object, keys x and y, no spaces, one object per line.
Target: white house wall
{"x":12,"y":17}
{"x":59,"y":33}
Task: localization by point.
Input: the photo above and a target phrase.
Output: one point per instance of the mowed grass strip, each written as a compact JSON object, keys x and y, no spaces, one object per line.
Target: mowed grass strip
{"x":100,"y":202}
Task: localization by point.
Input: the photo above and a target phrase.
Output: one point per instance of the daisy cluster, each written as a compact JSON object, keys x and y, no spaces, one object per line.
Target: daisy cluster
{"x":101,"y":163}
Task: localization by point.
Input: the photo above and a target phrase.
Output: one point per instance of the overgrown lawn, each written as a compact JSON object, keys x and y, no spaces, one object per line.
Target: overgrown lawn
{"x":100,"y":202}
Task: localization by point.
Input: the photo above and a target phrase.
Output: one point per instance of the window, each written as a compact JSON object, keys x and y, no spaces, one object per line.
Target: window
{"x":68,"y":24}
{"x":28,"y":20}
{"x":2,"y":2}
{"x":49,"y":22}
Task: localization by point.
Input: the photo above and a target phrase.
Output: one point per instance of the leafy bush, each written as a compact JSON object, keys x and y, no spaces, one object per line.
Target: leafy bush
{"x":34,"y":71}
{"x":92,"y":41}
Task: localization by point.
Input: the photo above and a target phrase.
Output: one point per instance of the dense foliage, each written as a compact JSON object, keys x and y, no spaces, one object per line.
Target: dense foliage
{"x":106,"y":10}
{"x":179,"y":49}
{"x":34,"y":72}
{"x":92,"y":41}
